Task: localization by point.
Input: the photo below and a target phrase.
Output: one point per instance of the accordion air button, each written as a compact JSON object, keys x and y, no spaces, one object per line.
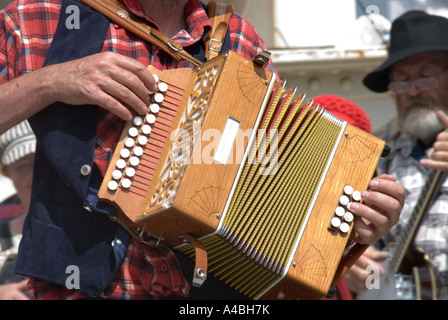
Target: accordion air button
{"x":154,"y":107}
{"x":129,"y":142}
{"x":112,"y":185}
{"x":134,"y":161}
{"x":340,"y":211}
{"x":126,"y":183}
{"x":356,"y":196}
{"x":344,"y":227}
{"x":163,"y":87}
{"x":150,"y":118}
{"x":121,"y":164}
{"x":142,"y":140}
{"x":138,"y":151}
{"x":125,"y":153}
{"x":137,"y":121}
{"x":130,"y":172}
{"x":85,"y":170}
{"x":146,"y":129}
{"x":116,"y":174}
{"x":335,"y":222}
{"x":133,"y":132}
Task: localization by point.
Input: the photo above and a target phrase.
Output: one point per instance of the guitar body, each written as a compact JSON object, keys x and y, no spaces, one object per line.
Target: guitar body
{"x":417,"y":284}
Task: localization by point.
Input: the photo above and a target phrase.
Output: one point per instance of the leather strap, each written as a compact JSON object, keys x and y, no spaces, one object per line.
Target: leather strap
{"x":200,"y":268}
{"x":219,"y":14}
{"x":118,"y":13}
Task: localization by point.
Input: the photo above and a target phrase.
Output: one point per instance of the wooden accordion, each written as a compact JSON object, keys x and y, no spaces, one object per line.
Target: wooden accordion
{"x":229,"y":157}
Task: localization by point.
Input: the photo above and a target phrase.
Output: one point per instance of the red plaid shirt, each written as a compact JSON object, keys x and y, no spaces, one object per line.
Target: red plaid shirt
{"x":27,"y":28}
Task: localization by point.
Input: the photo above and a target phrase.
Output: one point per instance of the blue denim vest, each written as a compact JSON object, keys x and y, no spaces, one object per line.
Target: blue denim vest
{"x":66,"y":225}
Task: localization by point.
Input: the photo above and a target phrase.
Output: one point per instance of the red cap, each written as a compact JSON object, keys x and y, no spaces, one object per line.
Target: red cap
{"x":345,"y":110}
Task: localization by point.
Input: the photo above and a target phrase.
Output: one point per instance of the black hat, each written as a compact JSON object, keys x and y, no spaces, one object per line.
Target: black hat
{"x":412,"y":33}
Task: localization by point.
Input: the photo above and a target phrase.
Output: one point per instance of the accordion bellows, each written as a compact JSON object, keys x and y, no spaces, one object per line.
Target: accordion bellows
{"x":229,"y":156}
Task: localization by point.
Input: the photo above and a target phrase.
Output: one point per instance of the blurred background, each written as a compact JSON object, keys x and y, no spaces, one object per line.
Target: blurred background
{"x":328,"y":46}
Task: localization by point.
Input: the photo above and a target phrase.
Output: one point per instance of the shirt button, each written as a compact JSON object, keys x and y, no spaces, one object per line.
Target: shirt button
{"x":85,"y":170}
{"x":164,"y":267}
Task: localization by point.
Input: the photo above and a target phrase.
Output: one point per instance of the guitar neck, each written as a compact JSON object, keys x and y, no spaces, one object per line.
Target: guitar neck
{"x":429,"y":191}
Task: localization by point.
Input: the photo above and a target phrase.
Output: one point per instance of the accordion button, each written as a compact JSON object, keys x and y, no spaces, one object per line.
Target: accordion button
{"x":116,"y":174}
{"x":348,"y":190}
{"x":134,"y":161}
{"x":126,"y":183}
{"x":340,"y":211}
{"x":356,"y":196}
{"x":156,"y":78}
{"x":129,"y":142}
{"x":344,"y":227}
{"x":146,"y":129}
{"x":124,"y":153}
{"x":348,"y":217}
{"x":344,"y":200}
{"x":121,"y":164}
{"x":133,"y":132}
{"x":335,"y":222}
{"x":138,"y":151}
{"x":112,"y":185}
{"x":158,"y":97}
{"x":154,"y":107}
{"x":137,"y":121}
{"x":85,"y":170}
{"x":163,"y":87}
{"x":130,"y":172}
{"x":150,"y":118}
{"x":142,"y":140}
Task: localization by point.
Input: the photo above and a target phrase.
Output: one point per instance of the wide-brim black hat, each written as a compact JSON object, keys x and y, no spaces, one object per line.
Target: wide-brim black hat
{"x":412,"y":33}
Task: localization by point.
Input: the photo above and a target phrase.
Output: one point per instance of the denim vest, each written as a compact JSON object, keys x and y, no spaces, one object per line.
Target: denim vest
{"x":67,"y":228}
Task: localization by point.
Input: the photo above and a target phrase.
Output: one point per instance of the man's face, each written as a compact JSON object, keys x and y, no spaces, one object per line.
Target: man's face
{"x":417,"y":108}
{"x":21,"y":174}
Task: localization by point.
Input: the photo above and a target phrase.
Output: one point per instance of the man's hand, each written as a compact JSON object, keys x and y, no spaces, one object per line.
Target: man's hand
{"x":438,"y":159}
{"x":14,"y":291}
{"x":356,"y":276}
{"x":379,"y":211}
{"x":112,"y":81}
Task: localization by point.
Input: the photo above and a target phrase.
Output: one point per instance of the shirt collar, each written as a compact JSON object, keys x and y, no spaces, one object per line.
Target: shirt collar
{"x":198,"y":23}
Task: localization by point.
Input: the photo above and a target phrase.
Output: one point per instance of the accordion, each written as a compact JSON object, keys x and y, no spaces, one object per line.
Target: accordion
{"x":230,"y":163}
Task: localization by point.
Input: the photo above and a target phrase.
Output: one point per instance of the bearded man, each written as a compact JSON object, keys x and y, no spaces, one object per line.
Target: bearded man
{"x":416,"y":74}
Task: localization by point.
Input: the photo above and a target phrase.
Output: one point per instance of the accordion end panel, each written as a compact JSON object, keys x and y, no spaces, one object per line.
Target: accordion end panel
{"x":228,"y":93}
{"x":141,"y":144}
{"x":323,"y":242}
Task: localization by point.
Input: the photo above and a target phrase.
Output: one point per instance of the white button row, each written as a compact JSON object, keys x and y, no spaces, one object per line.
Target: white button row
{"x":136,"y":141}
{"x":343,"y":217}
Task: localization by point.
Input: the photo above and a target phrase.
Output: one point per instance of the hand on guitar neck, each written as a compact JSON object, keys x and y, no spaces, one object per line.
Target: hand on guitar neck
{"x":438,"y":159}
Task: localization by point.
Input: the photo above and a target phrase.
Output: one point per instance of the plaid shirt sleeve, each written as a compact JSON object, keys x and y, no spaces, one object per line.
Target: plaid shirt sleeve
{"x":245,"y":39}
{"x":8,"y":46}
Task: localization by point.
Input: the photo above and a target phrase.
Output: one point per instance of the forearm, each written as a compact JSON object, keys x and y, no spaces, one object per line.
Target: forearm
{"x":24,"y":96}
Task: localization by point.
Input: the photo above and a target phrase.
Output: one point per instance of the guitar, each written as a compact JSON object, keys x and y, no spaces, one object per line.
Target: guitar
{"x":405,"y":263}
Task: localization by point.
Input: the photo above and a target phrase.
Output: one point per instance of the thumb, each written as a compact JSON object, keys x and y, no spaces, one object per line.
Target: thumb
{"x":443,"y":118}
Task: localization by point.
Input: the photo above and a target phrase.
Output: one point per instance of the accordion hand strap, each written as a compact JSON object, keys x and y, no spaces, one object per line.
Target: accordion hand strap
{"x":200,"y":268}
{"x":219,"y":14}
{"x":118,"y":13}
